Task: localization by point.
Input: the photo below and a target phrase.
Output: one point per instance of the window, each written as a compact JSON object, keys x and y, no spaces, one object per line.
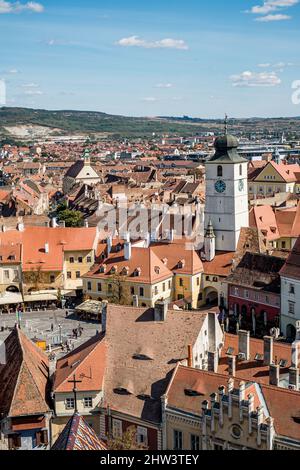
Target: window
{"x":70,"y":404}
{"x":170,"y":284}
{"x":195,"y":442}
{"x":99,"y":287}
{"x":292,"y":308}
{"x":198,"y":281}
{"x":132,"y":291}
{"x":283,"y":245}
{"x":14,"y":441}
{"x":155,"y":290}
{"x":6,"y":274}
{"x":52,"y":278}
{"x":141,"y":292}
{"x":292,"y":289}
{"x":88,"y":402}
{"x":109,"y":288}
{"x":246,"y":294}
{"x":69,"y":275}
{"x":218,"y":447}
{"x":77,"y":274}
{"x":42,"y":438}
{"x":89,"y":259}
{"x":241,"y":170}
{"x":177,"y":438}
{"x":80,"y":260}
{"x":142,"y":435}
{"x":72,"y":260}
{"x":164,"y":287}
{"x":117,"y":430}
{"x":220,"y":171}
{"x":89,"y":285}
{"x":181,"y":282}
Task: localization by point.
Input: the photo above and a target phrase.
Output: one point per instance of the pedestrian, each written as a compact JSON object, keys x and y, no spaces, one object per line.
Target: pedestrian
{"x":52,"y":327}
{"x":67,"y":313}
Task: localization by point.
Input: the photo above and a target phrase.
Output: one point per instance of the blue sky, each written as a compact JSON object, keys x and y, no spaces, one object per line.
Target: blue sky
{"x":146,"y":58}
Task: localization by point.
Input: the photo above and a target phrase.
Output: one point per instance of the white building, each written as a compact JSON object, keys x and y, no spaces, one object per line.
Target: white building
{"x":81,"y":172}
{"x":226,"y":193}
{"x":290,"y":293}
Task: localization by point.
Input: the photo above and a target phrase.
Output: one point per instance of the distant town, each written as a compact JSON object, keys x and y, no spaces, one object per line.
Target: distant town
{"x":150,"y":288}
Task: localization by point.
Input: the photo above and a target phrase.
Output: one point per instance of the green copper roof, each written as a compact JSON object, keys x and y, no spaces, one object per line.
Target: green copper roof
{"x":226,"y":150}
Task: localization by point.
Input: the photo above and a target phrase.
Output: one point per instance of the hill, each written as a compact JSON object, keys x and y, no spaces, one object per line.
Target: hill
{"x":42,"y":123}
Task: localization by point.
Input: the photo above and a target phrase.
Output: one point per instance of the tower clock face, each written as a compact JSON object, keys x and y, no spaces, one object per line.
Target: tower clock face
{"x":220,"y":186}
{"x":241,"y":185}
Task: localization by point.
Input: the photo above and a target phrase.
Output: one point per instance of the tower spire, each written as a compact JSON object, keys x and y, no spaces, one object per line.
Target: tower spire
{"x":226,"y":124}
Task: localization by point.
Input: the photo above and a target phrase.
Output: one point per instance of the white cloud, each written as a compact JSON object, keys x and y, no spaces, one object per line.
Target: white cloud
{"x":271,"y":10}
{"x":30,"y":85}
{"x":13,"y":71}
{"x":269,"y":18}
{"x":17,"y":7}
{"x":252,"y":79}
{"x":168,"y":43}
{"x":150,"y":99}
{"x":31,"y":92}
{"x":164,"y":85}
{"x":278,"y":65}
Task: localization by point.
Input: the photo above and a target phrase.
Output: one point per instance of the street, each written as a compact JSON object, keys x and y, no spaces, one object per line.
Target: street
{"x":45,"y":325}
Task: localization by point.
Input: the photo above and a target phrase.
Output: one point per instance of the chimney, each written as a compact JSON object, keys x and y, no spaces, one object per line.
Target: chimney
{"x":104,"y":315}
{"x":161,"y":311}
{"x":190,"y":356}
{"x":86,"y":223}
{"x":274,"y":374}
{"x":147,"y":239}
{"x":268,"y":350}
{"x":54,"y":222}
{"x":135,"y":301}
{"x":20,"y":227}
{"x":47,"y":248}
{"x":294,"y":378}
{"x":3,"y":228}
{"x":126,"y":237}
{"x":244,"y":343}
{"x":232,"y":365}
{"x":295,"y":353}
{"x":109,"y":245}
{"x":127,"y":251}
{"x":213,"y":361}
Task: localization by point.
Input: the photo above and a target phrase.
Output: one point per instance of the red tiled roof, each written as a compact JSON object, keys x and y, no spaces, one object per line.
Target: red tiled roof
{"x":24,"y":380}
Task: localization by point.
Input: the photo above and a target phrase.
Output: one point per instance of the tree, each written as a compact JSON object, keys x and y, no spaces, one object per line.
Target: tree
{"x":128,"y":441}
{"x":120,"y":293}
{"x":71,"y":218}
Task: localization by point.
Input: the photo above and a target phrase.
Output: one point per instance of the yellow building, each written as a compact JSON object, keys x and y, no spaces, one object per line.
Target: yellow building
{"x":142,"y":276}
{"x":274,"y":178}
{"x":87,"y":365}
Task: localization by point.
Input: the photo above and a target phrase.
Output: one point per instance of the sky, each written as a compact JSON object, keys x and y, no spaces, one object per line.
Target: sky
{"x":152,"y":58}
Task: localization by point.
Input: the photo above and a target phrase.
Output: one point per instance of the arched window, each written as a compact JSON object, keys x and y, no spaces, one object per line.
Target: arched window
{"x":220,"y":170}
{"x":241,"y":170}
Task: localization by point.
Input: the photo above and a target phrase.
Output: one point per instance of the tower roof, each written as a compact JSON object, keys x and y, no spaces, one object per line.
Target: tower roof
{"x":78,"y":435}
{"x":226,"y":150}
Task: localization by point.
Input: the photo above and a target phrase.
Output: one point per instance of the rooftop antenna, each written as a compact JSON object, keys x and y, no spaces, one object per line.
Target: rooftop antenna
{"x":226,"y":124}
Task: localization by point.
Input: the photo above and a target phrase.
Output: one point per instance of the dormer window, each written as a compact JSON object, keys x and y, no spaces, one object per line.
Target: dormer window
{"x":157,"y":269}
{"x":114,"y":269}
{"x":125,"y":271}
{"x":181,"y":264}
{"x":137,"y":272}
{"x":103,"y":268}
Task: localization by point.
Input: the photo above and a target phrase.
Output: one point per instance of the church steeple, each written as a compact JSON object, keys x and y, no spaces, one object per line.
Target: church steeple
{"x":86,"y":157}
{"x":210,"y":242}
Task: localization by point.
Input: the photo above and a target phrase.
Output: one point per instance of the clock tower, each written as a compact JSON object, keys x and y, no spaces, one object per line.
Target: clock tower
{"x":226,"y":205}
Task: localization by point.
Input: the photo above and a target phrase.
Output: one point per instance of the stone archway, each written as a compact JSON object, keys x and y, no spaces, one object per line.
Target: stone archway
{"x":211,"y":296}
